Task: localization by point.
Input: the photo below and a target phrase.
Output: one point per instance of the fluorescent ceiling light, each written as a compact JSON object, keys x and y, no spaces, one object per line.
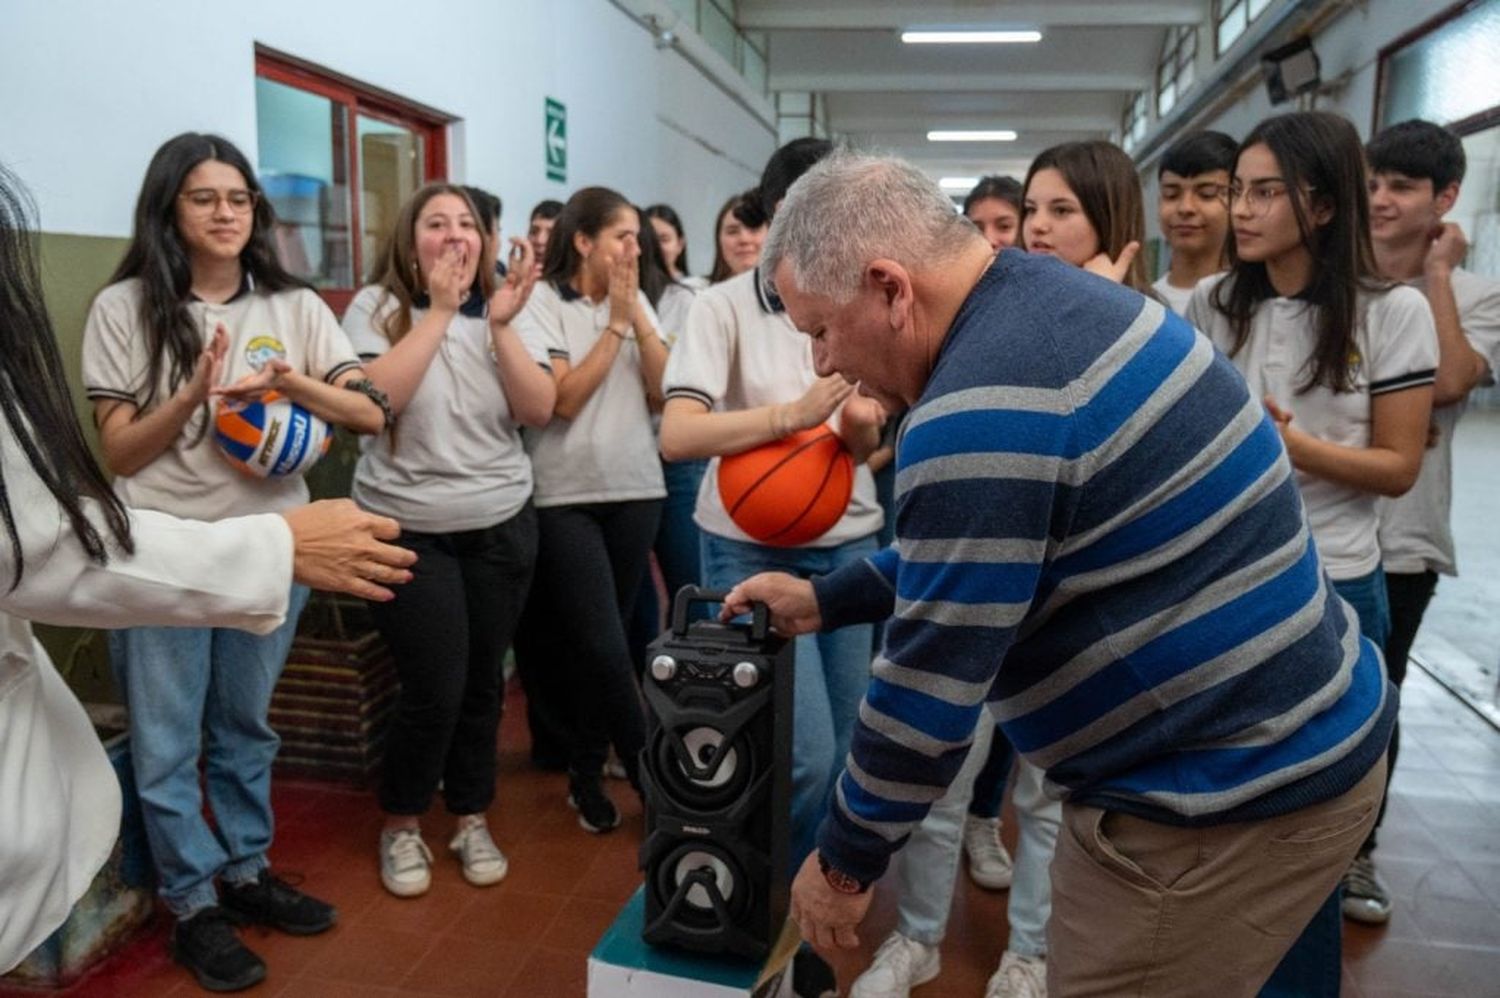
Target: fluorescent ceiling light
{"x":968,"y":37}
{"x":972,"y":135}
{"x":958,"y":183}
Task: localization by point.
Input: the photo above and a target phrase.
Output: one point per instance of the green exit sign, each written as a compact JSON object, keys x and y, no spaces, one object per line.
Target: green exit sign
{"x":557,"y":140}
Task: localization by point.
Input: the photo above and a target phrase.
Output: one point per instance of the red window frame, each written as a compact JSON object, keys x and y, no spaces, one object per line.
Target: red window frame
{"x":1479,"y":122}
{"x":360,"y":99}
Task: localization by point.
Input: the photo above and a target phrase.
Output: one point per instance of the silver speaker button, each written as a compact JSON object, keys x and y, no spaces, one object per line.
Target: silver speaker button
{"x":663,"y":668}
{"x":746,"y":675}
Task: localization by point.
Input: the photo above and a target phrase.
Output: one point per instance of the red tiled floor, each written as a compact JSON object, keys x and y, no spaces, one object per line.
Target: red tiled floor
{"x":530,"y":936}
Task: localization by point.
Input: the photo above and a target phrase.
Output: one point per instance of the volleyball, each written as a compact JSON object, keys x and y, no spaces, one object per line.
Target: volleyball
{"x":270,"y":437}
{"x":790,"y":491}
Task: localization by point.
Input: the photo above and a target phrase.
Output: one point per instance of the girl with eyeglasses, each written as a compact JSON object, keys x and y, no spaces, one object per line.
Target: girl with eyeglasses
{"x":200,"y":308}
{"x":1345,"y":363}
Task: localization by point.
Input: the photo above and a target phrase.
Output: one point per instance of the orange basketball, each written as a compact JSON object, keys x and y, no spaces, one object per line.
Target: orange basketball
{"x":790,"y":491}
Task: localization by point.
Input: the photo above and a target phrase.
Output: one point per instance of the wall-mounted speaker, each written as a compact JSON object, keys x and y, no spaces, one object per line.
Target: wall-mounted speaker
{"x":716,"y":778}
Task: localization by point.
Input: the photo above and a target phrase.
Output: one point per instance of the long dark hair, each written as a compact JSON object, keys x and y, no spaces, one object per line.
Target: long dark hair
{"x":1103,"y":178}
{"x":588,"y":211}
{"x":159,"y":259}
{"x":1322,"y":162}
{"x":34,"y":394}
{"x":397,"y":272}
{"x":668,"y":214}
{"x":747,"y":209}
{"x":656,"y":277}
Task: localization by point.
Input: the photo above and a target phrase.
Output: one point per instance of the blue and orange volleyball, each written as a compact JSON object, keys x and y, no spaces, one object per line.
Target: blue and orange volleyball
{"x":271,"y":437}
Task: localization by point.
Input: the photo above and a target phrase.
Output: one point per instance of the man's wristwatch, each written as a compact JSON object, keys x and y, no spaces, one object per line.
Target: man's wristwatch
{"x":841,"y":881}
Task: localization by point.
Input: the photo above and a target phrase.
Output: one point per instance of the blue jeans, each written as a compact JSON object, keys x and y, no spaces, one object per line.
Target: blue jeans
{"x":1312,"y":967}
{"x":927,"y":865}
{"x":833,"y":671}
{"x":206,"y":691}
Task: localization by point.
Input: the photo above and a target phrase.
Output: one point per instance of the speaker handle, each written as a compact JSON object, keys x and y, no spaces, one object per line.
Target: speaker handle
{"x":760,"y":614}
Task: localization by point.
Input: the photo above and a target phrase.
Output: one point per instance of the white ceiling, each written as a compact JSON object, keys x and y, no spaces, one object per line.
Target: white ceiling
{"x":1093,"y":56}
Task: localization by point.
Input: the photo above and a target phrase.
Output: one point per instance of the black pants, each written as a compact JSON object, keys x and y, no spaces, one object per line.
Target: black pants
{"x":590,"y":562}
{"x":1408,"y":594}
{"x":448,"y":629}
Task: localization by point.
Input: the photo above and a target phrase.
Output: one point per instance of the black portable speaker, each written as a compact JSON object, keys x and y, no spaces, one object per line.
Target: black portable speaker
{"x":716,"y":776}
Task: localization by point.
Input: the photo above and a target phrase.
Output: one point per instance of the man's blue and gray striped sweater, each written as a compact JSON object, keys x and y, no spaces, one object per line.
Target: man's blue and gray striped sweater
{"x":1098,"y":534}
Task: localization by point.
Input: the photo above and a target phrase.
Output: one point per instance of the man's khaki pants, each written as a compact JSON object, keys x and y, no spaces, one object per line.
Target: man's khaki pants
{"x":1145,"y":909}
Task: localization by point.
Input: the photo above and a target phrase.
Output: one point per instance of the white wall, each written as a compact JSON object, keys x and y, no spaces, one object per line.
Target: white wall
{"x":94,"y":86}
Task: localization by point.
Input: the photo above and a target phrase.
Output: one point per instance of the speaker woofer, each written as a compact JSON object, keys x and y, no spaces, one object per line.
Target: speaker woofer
{"x":713,"y":880}
{"x":713,"y":774}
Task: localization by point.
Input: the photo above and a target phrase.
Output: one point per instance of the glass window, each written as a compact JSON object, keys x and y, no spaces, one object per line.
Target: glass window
{"x":304,"y":169}
{"x":334,"y":155}
{"x":717,"y":28}
{"x":1133,"y":121}
{"x":1231,"y":22}
{"x":1447,"y":75}
{"x":755,"y":70}
{"x":1174,"y":71}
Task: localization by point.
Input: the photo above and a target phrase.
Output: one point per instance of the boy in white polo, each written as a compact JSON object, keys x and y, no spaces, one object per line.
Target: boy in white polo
{"x":1416,"y":168}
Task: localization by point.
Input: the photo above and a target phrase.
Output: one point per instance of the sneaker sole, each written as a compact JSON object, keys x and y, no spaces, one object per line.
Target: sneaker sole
{"x":208,"y":983}
{"x":290,"y":928}
{"x":1363,"y":914}
{"x":485,"y":879}
{"x":992,"y":883}
{"x":406,"y":890}
{"x":587,"y":826}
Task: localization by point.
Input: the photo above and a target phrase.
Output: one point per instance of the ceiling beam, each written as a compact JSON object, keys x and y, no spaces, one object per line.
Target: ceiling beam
{"x":836,"y":82}
{"x":822,"y":15}
{"x":1026,"y":123}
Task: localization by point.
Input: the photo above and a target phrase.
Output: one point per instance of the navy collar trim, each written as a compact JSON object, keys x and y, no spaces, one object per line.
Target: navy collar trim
{"x":247,"y":286}
{"x":770,"y":302}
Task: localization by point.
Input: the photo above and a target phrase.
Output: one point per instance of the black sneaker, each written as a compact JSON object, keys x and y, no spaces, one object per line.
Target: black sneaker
{"x":596,"y":812}
{"x":207,"y":945}
{"x":269,"y":900}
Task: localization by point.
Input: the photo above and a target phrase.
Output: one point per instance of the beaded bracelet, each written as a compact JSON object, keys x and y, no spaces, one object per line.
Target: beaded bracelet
{"x":367,"y":388}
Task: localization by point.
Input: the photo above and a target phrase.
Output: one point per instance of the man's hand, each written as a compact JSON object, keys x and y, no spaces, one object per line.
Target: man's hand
{"x":339,"y":547}
{"x":828,"y":918}
{"x":793,"y":606}
{"x":1447,"y":249}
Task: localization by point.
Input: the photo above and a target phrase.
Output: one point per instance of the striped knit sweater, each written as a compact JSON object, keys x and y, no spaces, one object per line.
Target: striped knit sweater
{"x":1098,"y":534}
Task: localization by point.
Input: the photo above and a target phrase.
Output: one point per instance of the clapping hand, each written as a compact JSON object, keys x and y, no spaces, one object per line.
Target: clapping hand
{"x":511,"y":296}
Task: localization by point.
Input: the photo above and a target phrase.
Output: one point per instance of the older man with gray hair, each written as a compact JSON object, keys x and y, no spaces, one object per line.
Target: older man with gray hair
{"x":1099,"y":538}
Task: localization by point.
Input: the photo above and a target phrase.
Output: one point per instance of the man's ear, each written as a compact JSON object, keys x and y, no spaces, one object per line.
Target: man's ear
{"x":894,"y":284}
{"x":1444,"y":200}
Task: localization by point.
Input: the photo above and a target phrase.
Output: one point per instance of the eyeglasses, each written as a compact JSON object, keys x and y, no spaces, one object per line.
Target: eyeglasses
{"x":1258,"y":197}
{"x":205,"y":200}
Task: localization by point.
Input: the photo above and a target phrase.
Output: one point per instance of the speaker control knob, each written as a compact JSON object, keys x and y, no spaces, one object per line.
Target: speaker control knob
{"x":663,"y":668}
{"x":746,"y":675}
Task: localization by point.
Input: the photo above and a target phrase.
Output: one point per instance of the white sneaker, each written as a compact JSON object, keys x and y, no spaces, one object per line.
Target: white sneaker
{"x":900,"y":964}
{"x":405,"y":863}
{"x":1018,"y":977}
{"x":990,"y":864}
{"x":483,"y":862}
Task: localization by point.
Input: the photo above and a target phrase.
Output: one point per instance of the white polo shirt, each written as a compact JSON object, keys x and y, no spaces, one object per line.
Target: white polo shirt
{"x":191,"y":478}
{"x":738,"y":353}
{"x":1397,"y":349}
{"x":1174,"y":297}
{"x":454,"y":459}
{"x":607,"y":452}
{"x":1414,"y":531}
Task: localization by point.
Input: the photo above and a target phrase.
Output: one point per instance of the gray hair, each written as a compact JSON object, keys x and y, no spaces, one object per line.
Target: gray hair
{"x":852,"y":208}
